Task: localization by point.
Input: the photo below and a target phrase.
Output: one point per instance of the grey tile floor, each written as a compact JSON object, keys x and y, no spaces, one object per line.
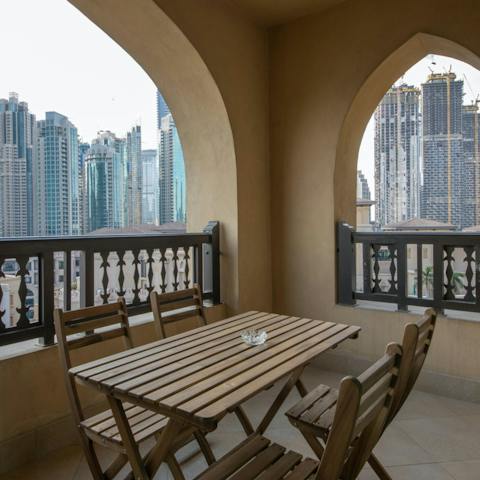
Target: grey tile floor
{"x":432,"y":438}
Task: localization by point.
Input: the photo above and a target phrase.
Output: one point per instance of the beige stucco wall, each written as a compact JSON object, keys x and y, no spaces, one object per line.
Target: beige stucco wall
{"x":211,"y":65}
{"x":327,"y":74}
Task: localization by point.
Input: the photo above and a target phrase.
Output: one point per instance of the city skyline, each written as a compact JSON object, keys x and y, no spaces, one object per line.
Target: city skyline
{"x":52,"y":183}
{"x":416,"y":75}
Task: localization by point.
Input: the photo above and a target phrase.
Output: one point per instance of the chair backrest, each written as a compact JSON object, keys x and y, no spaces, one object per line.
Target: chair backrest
{"x":362,"y":409}
{"x":87,"y":321}
{"x":175,"y":306}
{"x":416,"y":343}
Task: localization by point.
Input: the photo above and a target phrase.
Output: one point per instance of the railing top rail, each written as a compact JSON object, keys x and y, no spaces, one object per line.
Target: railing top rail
{"x":35,"y":245}
{"x":432,"y":236}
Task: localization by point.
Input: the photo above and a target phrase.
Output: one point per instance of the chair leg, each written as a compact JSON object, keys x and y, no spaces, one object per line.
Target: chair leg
{"x":116,"y":466}
{"x":91,"y":456}
{"x":302,"y":390}
{"x":314,"y":443}
{"x":174,"y":467}
{"x":378,"y":468}
{"x":244,"y":420}
{"x":204,"y":447}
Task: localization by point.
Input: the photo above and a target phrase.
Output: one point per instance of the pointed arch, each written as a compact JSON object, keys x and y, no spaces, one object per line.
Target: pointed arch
{"x":366,"y":100}
{"x":144,"y":30}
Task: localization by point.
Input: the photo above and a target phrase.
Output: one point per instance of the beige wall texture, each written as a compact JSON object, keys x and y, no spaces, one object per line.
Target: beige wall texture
{"x":211,"y":65}
{"x":328,"y":72}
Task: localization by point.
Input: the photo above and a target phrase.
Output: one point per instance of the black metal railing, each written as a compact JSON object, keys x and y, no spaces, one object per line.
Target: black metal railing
{"x":40,"y":274}
{"x":431,"y":269}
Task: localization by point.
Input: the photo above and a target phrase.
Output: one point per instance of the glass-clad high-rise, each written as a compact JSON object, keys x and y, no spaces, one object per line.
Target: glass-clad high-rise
{"x":105,"y":180}
{"x":17,"y":159}
{"x":57,"y":174}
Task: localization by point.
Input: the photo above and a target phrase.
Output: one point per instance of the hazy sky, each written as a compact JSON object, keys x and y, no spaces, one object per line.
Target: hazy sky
{"x":55,"y":58}
{"x":415,"y":76}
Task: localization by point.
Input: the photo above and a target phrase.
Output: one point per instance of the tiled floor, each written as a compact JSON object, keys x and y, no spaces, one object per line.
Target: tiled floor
{"x":433,"y":438}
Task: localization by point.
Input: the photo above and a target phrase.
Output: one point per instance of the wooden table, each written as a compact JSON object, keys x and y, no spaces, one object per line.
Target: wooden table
{"x":197,"y":377}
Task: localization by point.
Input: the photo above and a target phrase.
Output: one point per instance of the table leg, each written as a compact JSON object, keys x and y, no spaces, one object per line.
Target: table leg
{"x":164,"y":447}
{"x":302,"y":390}
{"x":128,"y":440}
{"x":286,"y":389}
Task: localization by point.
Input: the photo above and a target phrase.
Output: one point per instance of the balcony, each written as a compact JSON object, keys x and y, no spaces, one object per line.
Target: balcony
{"x":271,"y":102}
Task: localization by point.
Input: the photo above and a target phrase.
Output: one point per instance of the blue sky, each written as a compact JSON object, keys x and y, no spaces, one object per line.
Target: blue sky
{"x":57,"y":59}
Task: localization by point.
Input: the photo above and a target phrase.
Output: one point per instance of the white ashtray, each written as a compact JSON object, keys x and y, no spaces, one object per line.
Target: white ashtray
{"x":254,"y":337}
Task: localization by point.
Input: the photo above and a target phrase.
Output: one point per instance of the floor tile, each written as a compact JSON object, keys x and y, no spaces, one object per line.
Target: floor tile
{"x":463,"y":470}
{"x":434,"y":438}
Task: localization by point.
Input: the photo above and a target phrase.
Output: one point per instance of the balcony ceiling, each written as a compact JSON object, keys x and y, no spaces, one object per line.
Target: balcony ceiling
{"x":275,"y":12}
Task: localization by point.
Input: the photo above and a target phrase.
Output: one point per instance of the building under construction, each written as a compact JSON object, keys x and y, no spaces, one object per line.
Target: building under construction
{"x":397,"y":155}
{"x":443,"y":159}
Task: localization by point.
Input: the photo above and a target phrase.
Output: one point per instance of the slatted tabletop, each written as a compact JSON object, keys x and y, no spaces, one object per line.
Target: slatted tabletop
{"x":205,"y":372}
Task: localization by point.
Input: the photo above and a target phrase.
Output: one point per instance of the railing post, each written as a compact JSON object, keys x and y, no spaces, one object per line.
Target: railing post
{"x":87,"y":279}
{"x":46,"y":297}
{"x":213,"y":229}
{"x":345,"y":264}
{"x":402,"y":276}
{"x":438,"y":276}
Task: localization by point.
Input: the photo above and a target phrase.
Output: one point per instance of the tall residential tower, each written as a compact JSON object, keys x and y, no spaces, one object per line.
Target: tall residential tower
{"x":397,"y":155}
{"x":57,"y":176}
{"x":443,"y":159}
{"x":17,"y":159}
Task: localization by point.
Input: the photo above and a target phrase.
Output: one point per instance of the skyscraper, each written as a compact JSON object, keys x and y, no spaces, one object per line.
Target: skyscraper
{"x":83,"y":148}
{"x":471,"y":175}
{"x":105,"y":183}
{"x":162,"y":109}
{"x":443,"y":159}
{"x":171,"y":173}
{"x":397,"y":155}
{"x":150,"y":186}
{"x":363,"y":190}
{"x":134,"y":176}
{"x":57,"y":176}
{"x":17,"y":158}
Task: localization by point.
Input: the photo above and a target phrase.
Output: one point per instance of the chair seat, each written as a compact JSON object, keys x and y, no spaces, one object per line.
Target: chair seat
{"x":144,"y":424}
{"x":258,"y":458}
{"x":316,"y":410}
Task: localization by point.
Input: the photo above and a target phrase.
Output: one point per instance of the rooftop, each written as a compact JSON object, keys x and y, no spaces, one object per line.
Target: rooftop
{"x":419,"y":224}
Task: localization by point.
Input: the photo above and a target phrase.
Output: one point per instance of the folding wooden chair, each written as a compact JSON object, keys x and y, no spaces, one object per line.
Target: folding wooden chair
{"x":361,"y":411}
{"x":172,"y":307}
{"x":102,"y":428}
{"x":320,"y":404}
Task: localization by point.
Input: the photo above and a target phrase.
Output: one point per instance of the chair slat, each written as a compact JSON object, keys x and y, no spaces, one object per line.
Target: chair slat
{"x":182,"y":303}
{"x":164,"y":306}
{"x":373,"y":374}
{"x":88,"y":325}
{"x":96,"y":338}
{"x":89,"y":312}
{"x":260,"y":463}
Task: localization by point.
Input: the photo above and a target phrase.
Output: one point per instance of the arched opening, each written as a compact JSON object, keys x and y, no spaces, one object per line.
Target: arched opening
{"x":367,"y":99}
{"x":426,"y":176}
{"x":200,"y":116}
{"x":111,"y":182}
